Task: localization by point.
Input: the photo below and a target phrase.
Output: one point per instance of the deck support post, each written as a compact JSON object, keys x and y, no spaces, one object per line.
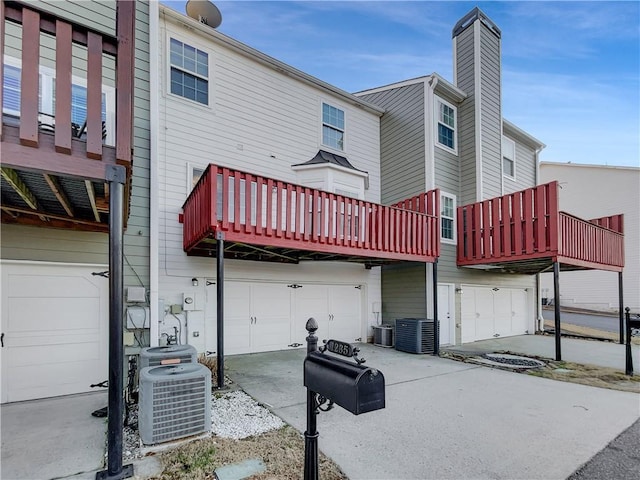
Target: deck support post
{"x":220,"y":306}
{"x":116,"y":176}
{"x":556,"y":307}
{"x":436,"y":329}
{"x":621,"y":307}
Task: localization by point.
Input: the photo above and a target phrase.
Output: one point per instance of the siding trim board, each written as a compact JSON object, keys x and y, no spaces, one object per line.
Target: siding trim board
{"x":477,"y":112}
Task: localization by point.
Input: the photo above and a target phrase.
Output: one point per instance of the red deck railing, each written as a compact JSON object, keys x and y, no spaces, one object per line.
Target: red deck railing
{"x":528,"y":225}
{"x":257,"y":210}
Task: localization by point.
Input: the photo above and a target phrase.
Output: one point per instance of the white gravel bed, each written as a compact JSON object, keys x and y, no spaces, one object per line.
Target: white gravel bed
{"x":233,"y":415}
{"x":236,"y":415}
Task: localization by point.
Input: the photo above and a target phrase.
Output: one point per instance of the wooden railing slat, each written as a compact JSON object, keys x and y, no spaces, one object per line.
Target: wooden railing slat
{"x":94,"y":96}
{"x":64,"y":34}
{"x":29,"y":77}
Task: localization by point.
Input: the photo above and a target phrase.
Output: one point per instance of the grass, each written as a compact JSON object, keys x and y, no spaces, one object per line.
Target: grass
{"x":282,"y":452}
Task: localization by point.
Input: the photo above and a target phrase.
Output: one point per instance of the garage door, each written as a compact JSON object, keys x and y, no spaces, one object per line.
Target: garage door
{"x":55,"y":327}
{"x":491,"y":312}
{"x":265,"y":316}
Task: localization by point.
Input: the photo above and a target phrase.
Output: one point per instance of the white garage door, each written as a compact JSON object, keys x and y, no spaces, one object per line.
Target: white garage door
{"x":488,"y":312}
{"x":55,"y":327}
{"x":265,"y":316}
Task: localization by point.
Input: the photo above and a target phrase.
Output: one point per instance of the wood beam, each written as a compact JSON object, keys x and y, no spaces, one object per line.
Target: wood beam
{"x":56,"y":221}
{"x":92,"y":198}
{"x":57,"y":190}
{"x":13,"y":179}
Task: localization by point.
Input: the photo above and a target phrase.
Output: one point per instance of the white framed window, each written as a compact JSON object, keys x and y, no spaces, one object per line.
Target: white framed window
{"x":333,"y":127}
{"x":47,"y":99}
{"x":189,"y":71}
{"x":193,"y":175}
{"x":447,"y":217}
{"x":508,"y":158}
{"x":446,"y":125}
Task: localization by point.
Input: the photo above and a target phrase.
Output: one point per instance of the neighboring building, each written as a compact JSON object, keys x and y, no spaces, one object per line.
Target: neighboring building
{"x":618,"y":190}
{"x":306,"y":240}
{"x":452,"y":136}
{"x":56,"y":163}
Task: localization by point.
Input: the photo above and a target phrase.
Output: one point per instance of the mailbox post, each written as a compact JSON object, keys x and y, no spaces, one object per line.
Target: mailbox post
{"x":352,"y":386}
{"x":631,"y":324}
{"x":311,"y":434}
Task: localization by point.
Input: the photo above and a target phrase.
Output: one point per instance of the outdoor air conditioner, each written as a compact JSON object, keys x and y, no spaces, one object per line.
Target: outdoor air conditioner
{"x":167,"y":355}
{"x":175,"y":402}
{"x":415,"y":335}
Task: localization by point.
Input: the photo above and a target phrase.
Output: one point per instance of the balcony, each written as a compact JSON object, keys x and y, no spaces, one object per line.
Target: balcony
{"x":525,"y":232}
{"x":54,"y":164}
{"x":270,"y":220}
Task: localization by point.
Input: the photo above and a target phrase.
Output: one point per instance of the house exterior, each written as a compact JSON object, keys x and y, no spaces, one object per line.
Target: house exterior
{"x":618,"y":191}
{"x":306,"y":239}
{"x":58,"y":170}
{"x":452,"y":136}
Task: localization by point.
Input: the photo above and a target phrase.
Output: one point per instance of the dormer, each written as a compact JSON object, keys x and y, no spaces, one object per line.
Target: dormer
{"x":332,"y":173}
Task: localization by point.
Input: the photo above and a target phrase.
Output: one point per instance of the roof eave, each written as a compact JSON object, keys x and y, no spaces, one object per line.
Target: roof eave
{"x":277,"y":65}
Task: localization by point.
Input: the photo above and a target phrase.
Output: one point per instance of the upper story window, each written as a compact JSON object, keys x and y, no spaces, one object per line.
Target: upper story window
{"x":508,"y":157}
{"x":332,"y":127}
{"x":189,"y":72}
{"x":47,"y":100}
{"x":446,"y":126}
{"x":447,"y":218}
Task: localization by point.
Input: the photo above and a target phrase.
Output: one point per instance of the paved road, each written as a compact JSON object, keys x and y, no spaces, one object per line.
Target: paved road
{"x":600,"y":322}
{"x":620,"y":459}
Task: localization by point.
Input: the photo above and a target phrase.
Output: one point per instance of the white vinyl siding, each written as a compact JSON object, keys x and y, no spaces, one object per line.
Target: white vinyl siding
{"x":259,"y":121}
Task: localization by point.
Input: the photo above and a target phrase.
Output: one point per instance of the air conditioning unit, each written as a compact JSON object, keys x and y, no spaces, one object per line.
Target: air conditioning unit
{"x":175,"y":402}
{"x":167,"y":355}
{"x":415,"y":335}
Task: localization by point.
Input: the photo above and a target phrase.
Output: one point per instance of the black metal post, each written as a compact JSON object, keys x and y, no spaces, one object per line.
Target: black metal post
{"x":436,"y":329}
{"x":628,"y":356}
{"x":116,"y":176}
{"x":621,"y":307}
{"x":220,"y":305}
{"x":556,"y":307}
{"x":311,"y":434}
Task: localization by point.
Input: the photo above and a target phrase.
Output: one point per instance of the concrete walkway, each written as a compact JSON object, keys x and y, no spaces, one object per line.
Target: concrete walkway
{"x":587,"y":352}
{"x":445,"y":419}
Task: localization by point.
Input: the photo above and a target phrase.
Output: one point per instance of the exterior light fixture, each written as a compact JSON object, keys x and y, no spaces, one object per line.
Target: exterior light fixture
{"x":194,"y":281}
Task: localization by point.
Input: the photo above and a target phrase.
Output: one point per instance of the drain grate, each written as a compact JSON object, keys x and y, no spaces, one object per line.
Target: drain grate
{"x":512,"y":360}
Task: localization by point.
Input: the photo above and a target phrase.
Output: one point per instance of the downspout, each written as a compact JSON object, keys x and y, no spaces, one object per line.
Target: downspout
{"x":540,"y":318}
{"x":154,"y":89}
{"x":430,"y":181}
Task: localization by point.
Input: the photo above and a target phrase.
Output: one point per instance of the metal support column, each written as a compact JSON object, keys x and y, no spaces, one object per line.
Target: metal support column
{"x":436,"y":326}
{"x":311,"y":434}
{"x":621,"y":307}
{"x":116,"y":176}
{"x":556,"y":307}
{"x":220,"y":305}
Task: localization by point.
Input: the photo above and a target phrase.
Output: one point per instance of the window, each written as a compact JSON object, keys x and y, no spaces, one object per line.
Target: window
{"x":332,"y":127}
{"x":47,"y":100}
{"x":189,"y":72}
{"x":446,"y":125}
{"x":447,"y":218}
{"x":508,"y":157}
{"x":196,"y":173}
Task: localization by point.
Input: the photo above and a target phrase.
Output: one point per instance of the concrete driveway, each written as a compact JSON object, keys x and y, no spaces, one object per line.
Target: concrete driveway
{"x":445,"y":419}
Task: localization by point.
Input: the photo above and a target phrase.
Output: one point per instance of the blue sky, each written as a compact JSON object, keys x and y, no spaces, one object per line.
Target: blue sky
{"x":571,"y":70}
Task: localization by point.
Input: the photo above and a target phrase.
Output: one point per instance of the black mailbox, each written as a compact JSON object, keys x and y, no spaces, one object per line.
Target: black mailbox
{"x":354,"y":387}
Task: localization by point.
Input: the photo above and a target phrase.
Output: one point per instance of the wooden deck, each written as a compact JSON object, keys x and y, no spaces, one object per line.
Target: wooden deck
{"x":271,"y":220}
{"x":525,"y":232}
{"x":54,"y":171}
